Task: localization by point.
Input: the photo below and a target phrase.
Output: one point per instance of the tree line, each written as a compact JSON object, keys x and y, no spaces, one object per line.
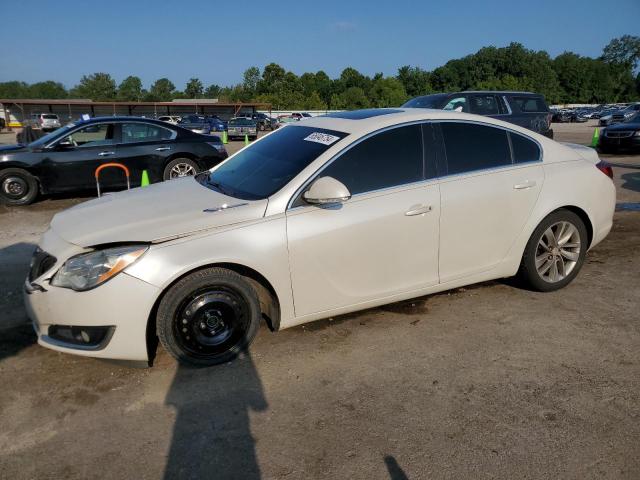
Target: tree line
{"x":567,"y":78}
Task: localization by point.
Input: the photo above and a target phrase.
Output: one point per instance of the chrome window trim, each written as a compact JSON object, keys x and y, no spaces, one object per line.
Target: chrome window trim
{"x":315,"y":175}
{"x":506,"y":102}
{"x":80,"y":127}
{"x":508,"y":130}
{"x":174,"y":134}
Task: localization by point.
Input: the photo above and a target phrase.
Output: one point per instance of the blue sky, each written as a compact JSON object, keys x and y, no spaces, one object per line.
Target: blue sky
{"x":217,"y":41}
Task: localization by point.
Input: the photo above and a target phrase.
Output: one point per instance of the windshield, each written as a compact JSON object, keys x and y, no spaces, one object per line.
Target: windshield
{"x":428,"y":101}
{"x":241,"y":121}
{"x":264,"y":167}
{"x":52,"y":136}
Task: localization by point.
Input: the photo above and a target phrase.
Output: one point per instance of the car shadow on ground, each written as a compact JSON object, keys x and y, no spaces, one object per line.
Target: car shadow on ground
{"x":16,"y":332}
{"x":212,"y":435}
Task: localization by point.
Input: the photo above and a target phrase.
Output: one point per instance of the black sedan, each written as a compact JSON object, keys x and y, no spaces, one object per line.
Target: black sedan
{"x":66,"y":159}
{"x":621,"y":136}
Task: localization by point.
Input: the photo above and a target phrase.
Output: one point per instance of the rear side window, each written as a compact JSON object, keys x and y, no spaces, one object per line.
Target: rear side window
{"x":472,"y":147}
{"x":484,"y":105}
{"x":142,"y":132}
{"x":524,"y":149}
{"x":388,"y":159}
{"x":530,"y":104}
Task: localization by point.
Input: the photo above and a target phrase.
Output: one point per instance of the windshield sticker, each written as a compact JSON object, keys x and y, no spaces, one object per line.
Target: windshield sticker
{"x":323,"y":138}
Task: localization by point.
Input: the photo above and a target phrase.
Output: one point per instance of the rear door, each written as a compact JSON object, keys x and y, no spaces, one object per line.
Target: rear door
{"x":145,"y":146}
{"x":491,"y":182}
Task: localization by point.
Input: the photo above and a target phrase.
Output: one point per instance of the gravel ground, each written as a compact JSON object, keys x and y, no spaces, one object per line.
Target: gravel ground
{"x":483,"y":382}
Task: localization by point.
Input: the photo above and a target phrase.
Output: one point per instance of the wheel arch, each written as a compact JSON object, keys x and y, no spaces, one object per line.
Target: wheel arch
{"x":269,"y":301}
{"x":30,"y":169}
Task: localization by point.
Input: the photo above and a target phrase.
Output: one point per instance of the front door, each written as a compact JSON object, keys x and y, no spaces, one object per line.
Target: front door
{"x":492,"y":182}
{"x":381,"y":242}
{"x":72,"y":161}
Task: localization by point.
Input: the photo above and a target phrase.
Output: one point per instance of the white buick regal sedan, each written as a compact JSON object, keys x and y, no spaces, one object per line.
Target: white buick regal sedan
{"x":326,"y":216}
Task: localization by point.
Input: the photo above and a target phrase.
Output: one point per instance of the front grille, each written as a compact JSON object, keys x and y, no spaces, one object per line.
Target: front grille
{"x":41,"y":262}
{"x":619,"y":133}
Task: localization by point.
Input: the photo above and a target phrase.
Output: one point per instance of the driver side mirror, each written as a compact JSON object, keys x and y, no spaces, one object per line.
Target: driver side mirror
{"x":326,"y":190}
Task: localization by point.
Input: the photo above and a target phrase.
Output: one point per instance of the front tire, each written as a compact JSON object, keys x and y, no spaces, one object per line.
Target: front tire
{"x":180,"y":167}
{"x":555,"y":252}
{"x":17,"y":187}
{"x":209,"y":317}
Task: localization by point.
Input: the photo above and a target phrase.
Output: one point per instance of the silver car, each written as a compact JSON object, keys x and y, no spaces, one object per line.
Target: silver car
{"x":240,"y":126}
{"x":45,"y":121}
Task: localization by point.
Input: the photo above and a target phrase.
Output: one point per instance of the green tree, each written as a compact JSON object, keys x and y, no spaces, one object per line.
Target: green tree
{"x":351,"y":99}
{"x":194,"y":88}
{"x":212,"y":91}
{"x":314,"y":102}
{"x":130,"y":89}
{"x":99,"y":87}
{"x":250,"y":79}
{"x":162,"y":90}
{"x":415,"y":80}
{"x":387,"y":92}
{"x":624,"y":50}
{"x":14,"y":89}
{"x":48,"y":89}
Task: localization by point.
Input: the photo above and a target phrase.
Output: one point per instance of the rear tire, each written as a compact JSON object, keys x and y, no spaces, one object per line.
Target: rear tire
{"x":555,"y":252}
{"x":17,"y":187}
{"x":209,"y":317}
{"x":180,"y":167}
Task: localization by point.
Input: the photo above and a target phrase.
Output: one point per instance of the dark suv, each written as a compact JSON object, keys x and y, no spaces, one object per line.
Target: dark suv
{"x":526,"y":109}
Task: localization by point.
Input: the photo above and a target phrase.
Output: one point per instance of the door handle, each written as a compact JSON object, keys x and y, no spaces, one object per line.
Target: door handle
{"x":524,"y":185}
{"x":106,"y":154}
{"x":162,"y":149}
{"x":418,"y":210}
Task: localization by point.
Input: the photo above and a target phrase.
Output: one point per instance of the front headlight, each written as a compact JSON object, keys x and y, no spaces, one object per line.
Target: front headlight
{"x":88,"y":270}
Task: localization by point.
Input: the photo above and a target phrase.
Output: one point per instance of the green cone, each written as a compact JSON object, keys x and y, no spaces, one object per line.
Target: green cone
{"x":246,"y":140}
{"x":225,"y":140}
{"x":595,"y":138}
{"x":145,"y":179}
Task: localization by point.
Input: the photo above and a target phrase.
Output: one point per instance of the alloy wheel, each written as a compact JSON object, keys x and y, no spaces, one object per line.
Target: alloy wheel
{"x":182,"y":170}
{"x":557,"y":252}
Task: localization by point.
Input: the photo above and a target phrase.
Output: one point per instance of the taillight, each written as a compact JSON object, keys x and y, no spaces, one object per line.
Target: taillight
{"x":605,"y":168}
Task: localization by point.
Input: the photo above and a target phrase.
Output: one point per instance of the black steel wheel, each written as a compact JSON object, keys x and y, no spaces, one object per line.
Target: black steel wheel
{"x":208,"y":317}
{"x":17,"y":187}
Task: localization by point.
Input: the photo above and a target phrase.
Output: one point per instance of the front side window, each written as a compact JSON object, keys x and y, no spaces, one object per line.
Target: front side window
{"x":458,"y":104}
{"x":387,"y":159}
{"x":264,"y":167}
{"x":484,"y":105}
{"x":472,"y":147}
{"x":90,"y":136}
{"x":143,"y":132}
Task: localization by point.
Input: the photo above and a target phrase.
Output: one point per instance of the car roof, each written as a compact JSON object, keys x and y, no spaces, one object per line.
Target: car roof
{"x":375,"y":119}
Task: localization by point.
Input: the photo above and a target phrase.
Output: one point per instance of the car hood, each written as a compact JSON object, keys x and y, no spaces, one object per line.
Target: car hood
{"x":13,"y":148}
{"x":160,"y":212}
{"x":624,"y":126}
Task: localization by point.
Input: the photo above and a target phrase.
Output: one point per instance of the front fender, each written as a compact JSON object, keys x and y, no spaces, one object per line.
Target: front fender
{"x":260,"y":246}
